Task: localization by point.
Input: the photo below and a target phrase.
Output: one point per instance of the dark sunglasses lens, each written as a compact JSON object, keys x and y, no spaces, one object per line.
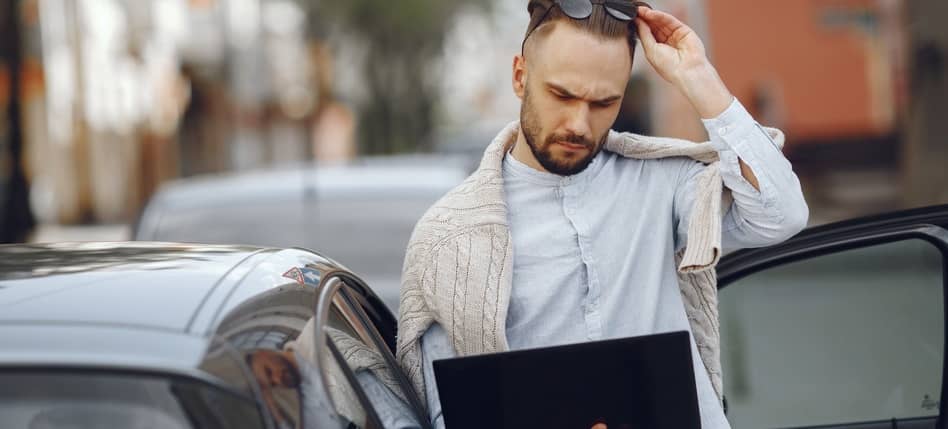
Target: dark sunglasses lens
{"x":576,"y":9}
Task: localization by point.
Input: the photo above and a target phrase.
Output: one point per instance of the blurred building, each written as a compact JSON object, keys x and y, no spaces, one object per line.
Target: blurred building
{"x":857,"y":85}
{"x":114,"y":97}
{"x":824,"y":70}
{"x":831,"y":75}
{"x":122,"y":95}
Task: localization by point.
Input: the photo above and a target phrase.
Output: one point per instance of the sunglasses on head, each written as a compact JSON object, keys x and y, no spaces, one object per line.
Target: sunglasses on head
{"x":622,"y":10}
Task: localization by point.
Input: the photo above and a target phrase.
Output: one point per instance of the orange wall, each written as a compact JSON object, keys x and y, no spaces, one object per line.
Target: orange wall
{"x":821,"y":73}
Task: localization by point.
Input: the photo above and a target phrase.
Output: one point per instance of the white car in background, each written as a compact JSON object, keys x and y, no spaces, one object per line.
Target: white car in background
{"x":361,"y":213}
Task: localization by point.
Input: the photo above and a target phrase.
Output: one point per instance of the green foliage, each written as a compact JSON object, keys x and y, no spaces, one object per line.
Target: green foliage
{"x":398,"y":24}
{"x":403,"y":38}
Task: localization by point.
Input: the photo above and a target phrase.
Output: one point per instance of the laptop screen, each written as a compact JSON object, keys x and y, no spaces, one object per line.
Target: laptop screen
{"x":637,"y":382}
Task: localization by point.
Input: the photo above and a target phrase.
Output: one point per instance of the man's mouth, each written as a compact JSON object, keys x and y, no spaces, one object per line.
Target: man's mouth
{"x":571,"y":146}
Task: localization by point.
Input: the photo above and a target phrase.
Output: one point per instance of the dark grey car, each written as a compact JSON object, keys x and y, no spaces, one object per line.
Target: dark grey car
{"x":842,"y":326}
{"x":146,"y":335}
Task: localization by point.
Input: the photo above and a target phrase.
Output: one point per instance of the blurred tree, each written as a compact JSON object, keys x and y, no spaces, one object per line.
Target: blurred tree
{"x":925,"y":128}
{"x":16,"y":219}
{"x":404,"y":39}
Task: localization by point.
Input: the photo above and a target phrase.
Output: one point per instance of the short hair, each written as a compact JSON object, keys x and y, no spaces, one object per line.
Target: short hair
{"x":600,"y":24}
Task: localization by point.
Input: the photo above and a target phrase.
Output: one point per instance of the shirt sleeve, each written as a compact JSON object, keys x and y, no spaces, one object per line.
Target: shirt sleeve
{"x":392,"y":410}
{"x":435,"y":345}
{"x":755,"y":218}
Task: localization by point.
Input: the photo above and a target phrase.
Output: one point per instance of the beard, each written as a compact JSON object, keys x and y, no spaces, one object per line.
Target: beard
{"x":565,"y":164}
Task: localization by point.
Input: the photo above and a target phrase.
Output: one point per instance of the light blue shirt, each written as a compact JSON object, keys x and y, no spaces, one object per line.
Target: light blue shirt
{"x":594,"y":253}
{"x":393,"y":412}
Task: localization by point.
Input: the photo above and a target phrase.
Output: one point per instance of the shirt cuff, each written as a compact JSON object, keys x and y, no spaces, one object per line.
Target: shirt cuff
{"x":733,"y":128}
{"x":734,"y":134}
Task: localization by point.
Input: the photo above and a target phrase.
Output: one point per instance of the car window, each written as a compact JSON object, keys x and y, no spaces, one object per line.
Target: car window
{"x":377,"y":314}
{"x":95,"y":399}
{"x":853,"y":336}
{"x":372,"y":367}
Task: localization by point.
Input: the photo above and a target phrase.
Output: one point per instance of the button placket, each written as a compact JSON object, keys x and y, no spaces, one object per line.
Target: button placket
{"x":569,"y":203}
{"x":591,"y":314}
{"x":570,"y":213}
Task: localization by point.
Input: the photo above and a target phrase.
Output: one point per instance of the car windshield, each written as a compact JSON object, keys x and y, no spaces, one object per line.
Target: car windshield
{"x":73,"y":400}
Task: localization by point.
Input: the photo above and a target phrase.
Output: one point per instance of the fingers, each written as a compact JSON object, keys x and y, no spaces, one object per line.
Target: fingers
{"x":645,"y":34}
{"x":664,"y":25}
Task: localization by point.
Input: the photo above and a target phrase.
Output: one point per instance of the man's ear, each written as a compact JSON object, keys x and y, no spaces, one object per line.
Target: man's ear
{"x":519,"y":76}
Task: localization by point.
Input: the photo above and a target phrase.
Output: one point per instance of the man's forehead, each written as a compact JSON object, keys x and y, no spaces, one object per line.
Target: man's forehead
{"x":585,"y":89}
{"x":581,"y":62}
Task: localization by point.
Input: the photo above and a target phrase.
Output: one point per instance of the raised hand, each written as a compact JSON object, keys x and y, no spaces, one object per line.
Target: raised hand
{"x":676,"y":52}
{"x":671,"y":47}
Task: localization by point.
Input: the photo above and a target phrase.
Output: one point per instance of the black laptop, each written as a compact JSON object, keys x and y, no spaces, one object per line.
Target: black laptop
{"x":627,"y":383}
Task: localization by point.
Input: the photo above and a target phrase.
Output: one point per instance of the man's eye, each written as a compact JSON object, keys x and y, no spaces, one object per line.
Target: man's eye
{"x":563,"y":96}
{"x":603,"y":105}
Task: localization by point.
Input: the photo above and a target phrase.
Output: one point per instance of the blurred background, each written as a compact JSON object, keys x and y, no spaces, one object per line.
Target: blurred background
{"x":170,"y":119}
{"x":333,"y":125}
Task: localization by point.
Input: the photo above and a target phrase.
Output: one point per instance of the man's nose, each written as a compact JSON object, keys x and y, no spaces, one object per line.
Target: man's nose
{"x":578,"y":123}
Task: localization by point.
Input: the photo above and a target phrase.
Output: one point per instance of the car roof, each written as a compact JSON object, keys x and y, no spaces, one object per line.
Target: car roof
{"x":364,"y":178}
{"x":148,"y":285}
{"x":141,"y":305}
{"x":113,"y":347}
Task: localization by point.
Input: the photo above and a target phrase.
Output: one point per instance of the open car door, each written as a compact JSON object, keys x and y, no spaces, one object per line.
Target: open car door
{"x":842,"y":326}
{"x":354,"y":334}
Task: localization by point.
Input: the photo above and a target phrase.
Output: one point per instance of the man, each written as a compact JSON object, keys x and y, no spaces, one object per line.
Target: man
{"x":277,"y":374}
{"x":569,"y":232}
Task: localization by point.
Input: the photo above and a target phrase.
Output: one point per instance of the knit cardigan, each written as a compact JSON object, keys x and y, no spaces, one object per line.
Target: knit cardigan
{"x":458,"y":264}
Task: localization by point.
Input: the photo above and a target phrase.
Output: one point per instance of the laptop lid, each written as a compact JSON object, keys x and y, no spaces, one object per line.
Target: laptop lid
{"x":637,"y":382}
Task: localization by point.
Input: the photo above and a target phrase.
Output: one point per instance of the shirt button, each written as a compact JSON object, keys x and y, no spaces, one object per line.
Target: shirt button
{"x":724,"y":130}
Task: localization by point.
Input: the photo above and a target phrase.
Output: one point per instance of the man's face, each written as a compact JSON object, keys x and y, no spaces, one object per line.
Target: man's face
{"x":571,"y":84}
{"x":274,"y":370}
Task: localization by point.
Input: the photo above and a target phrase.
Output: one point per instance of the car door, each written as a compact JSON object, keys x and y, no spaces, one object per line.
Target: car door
{"x":841,"y":326}
{"x":261,"y":320}
{"x":366,"y":385}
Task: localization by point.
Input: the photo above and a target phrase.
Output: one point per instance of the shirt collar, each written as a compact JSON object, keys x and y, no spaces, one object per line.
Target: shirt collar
{"x":520,"y":170}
